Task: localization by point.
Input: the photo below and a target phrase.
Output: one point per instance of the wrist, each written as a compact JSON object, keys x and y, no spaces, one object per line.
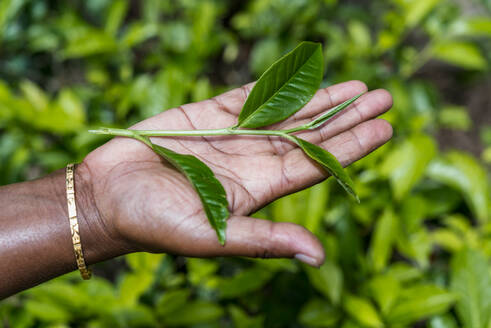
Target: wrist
{"x":98,"y":241}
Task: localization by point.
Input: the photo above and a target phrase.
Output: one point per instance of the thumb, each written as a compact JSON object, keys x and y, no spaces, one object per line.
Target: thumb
{"x":251,"y":237}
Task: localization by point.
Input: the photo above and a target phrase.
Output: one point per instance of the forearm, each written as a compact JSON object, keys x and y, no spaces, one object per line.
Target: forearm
{"x":35,"y":239}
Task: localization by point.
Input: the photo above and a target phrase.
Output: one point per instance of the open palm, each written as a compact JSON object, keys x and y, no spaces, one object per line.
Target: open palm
{"x":150,"y":206}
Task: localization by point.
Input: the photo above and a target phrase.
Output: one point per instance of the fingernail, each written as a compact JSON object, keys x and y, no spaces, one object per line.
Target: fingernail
{"x":307,"y":260}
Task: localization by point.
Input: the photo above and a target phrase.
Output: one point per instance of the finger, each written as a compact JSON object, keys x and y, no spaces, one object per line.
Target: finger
{"x":300,"y":171}
{"x":265,"y":239}
{"x":368,"y":106}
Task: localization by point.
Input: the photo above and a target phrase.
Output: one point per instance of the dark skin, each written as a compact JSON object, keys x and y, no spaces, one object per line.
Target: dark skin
{"x":129,"y":200}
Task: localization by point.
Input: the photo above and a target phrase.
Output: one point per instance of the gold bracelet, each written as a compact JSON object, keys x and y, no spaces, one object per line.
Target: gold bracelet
{"x":72,"y":215}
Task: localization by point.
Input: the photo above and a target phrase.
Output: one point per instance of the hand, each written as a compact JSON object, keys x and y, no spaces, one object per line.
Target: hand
{"x":146,"y":205}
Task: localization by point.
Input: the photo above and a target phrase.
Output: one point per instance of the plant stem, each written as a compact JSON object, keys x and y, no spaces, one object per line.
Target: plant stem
{"x":174,"y":133}
{"x":296,"y":129}
{"x":233,"y":130}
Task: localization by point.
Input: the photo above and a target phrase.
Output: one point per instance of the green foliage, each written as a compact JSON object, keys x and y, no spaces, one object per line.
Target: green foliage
{"x":284,"y":88}
{"x":66,"y":67}
{"x":209,"y":189}
{"x":328,"y":162}
{"x":470,"y":280}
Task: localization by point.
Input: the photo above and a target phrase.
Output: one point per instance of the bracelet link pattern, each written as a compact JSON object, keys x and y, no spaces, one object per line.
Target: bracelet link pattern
{"x":72,"y":215}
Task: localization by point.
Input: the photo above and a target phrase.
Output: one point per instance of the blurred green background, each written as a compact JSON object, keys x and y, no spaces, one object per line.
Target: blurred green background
{"x":415,"y":253}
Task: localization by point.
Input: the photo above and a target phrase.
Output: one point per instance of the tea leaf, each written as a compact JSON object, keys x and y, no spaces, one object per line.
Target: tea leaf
{"x":420,"y":302}
{"x":172,"y":301}
{"x":322,"y":119}
{"x":385,"y":290}
{"x":194,"y":313}
{"x":465,"y":174}
{"x":362,"y":310}
{"x":115,"y":16}
{"x":319,"y":313}
{"x":417,"y":10}
{"x":241,"y":319}
{"x":209,"y":189}
{"x":382,"y":240}
{"x":406,"y":164}
{"x":470,"y":280}
{"x":328,"y":280}
{"x":243,"y":283}
{"x":471,"y":26}
{"x":328,"y":162}
{"x":133,"y":285}
{"x":442,"y":321}
{"x":463,"y":54}
{"x":285,"y":87}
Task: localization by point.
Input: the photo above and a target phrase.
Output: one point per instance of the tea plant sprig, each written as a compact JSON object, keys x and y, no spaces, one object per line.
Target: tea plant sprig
{"x":280,"y":92}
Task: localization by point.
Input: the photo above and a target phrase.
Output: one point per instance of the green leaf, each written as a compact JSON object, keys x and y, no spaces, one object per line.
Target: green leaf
{"x":470,"y":280}
{"x":133,"y":285}
{"x":404,"y":273}
{"x":242,"y":320}
{"x":8,"y":10}
{"x":464,"y":54}
{"x":72,"y":106}
{"x":382,"y":240}
{"x":209,"y":189}
{"x":405,"y":164}
{"x":362,"y":310}
{"x":328,"y":280}
{"x":171,"y":301}
{"x":416,"y":10}
{"x":486,"y":155}
{"x":443,"y":321}
{"x":447,"y":239}
{"x":439,"y":199}
{"x":416,"y":245}
{"x":200,"y":270}
{"x":464,"y":173}
{"x":46,"y":311}
{"x":138,"y":32}
{"x":194,"y":313}
{"x":176,"y":36}
{"x":65,"y":295}
{"x":328,"y":162}
{"x":291,"y":208}
{"x":420,"y":302}
{"x":144,"y":262}
{"x":35,"y":95}
{"x":285,"y":87}
{"x":455,"y":117}
{"x":138,"y":315}
{"x":319,"y":313}
{"x":316,"y":206}
{"x":359,"y":35}
{"x":385,"y":290}
{"x":471,"y":26}
{"x":244,"y":282}
{"x":413,"y":212}
{"x":88,"y":43}
{"x":115,"y":16}
{"x":326,"y":116}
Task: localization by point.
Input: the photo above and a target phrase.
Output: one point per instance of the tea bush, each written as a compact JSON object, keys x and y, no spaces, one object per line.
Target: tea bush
{"x":414,"y":253}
